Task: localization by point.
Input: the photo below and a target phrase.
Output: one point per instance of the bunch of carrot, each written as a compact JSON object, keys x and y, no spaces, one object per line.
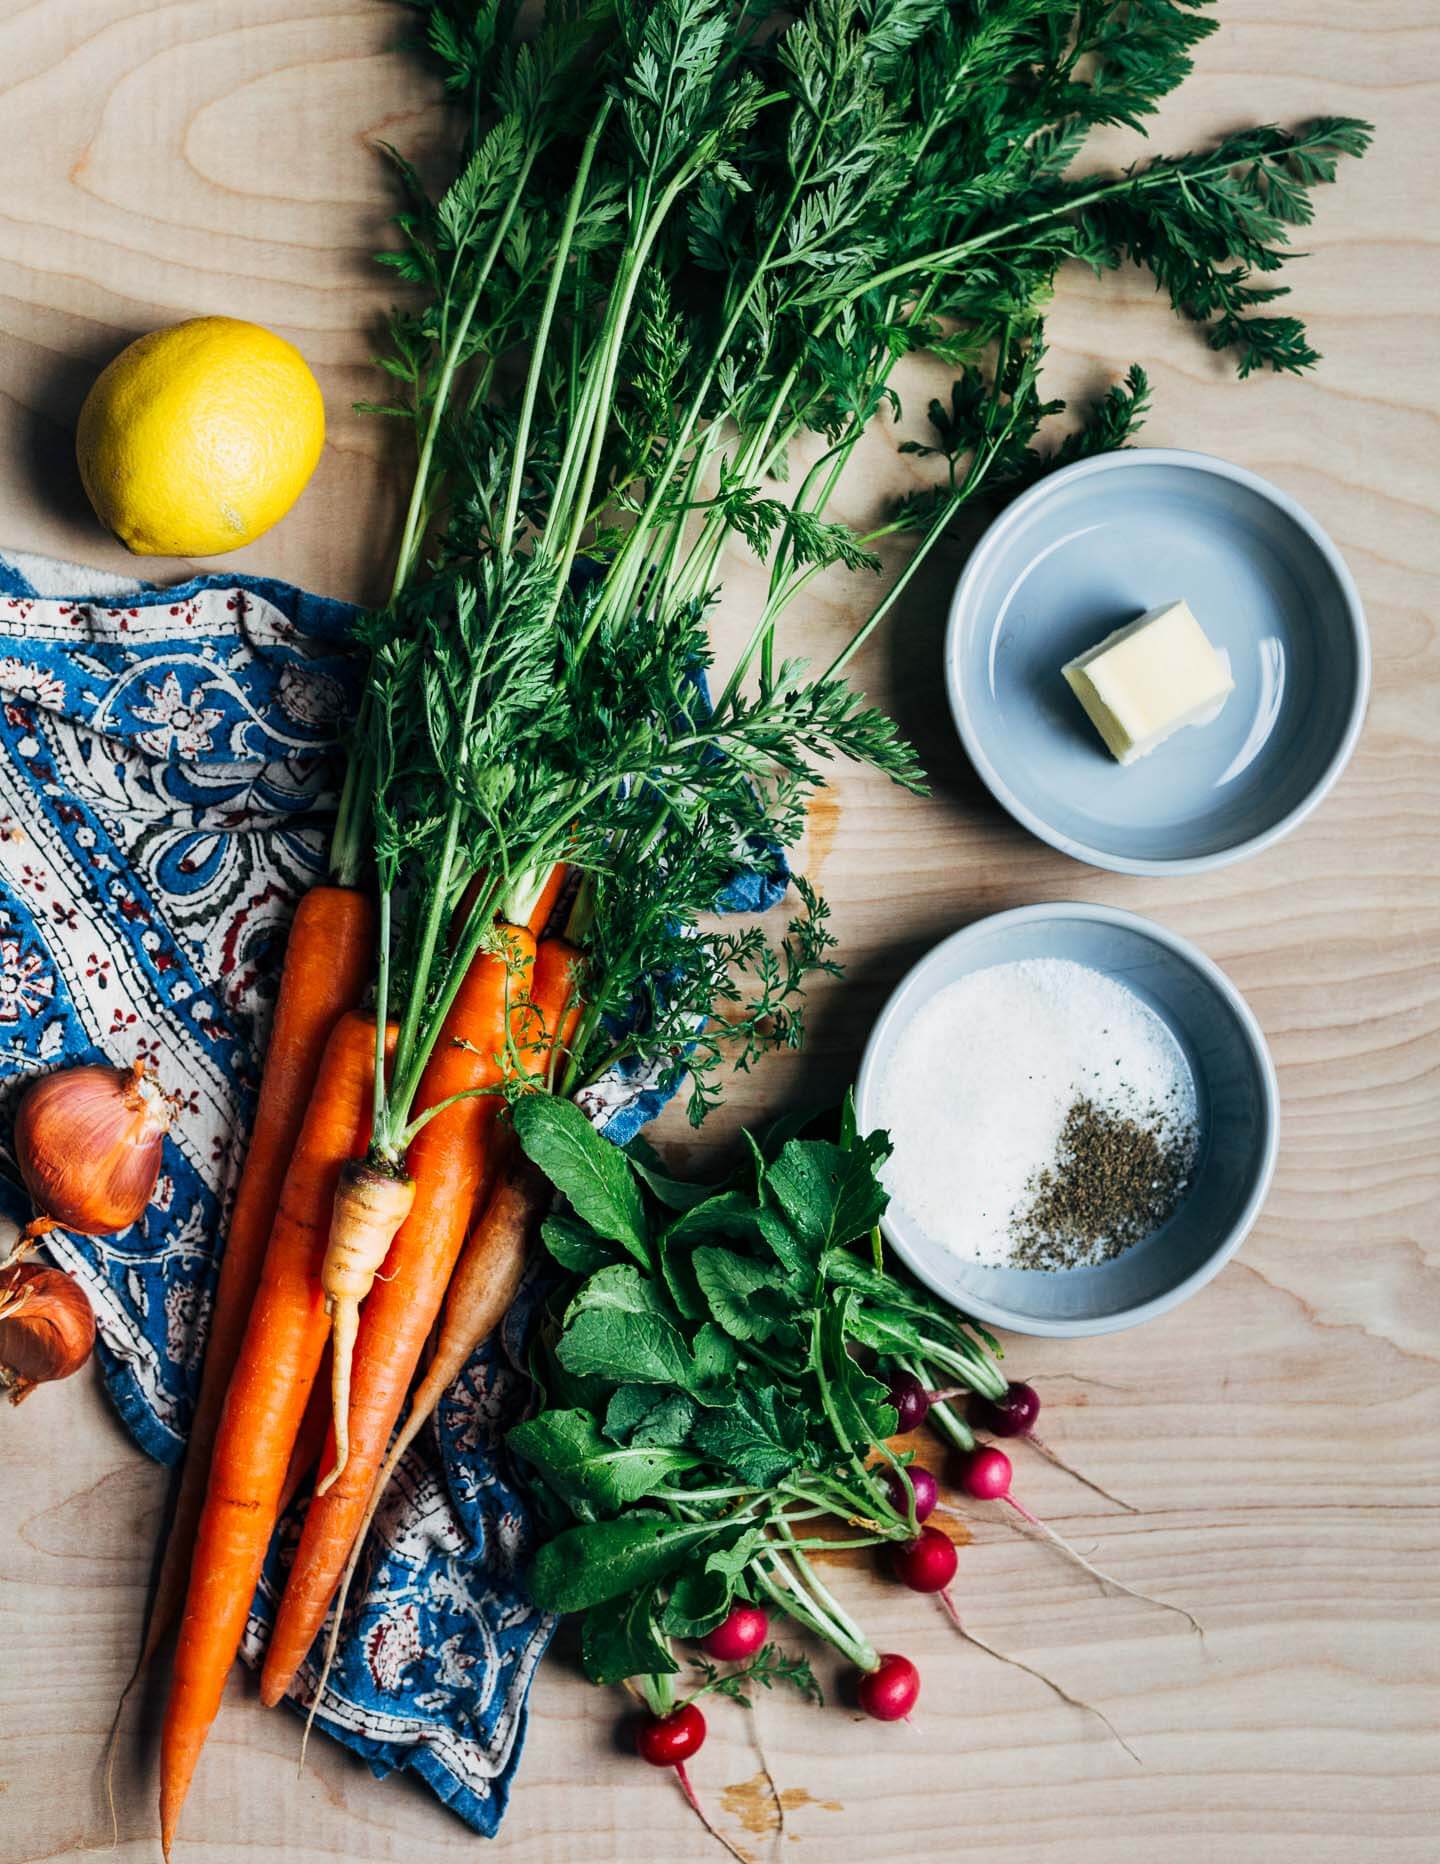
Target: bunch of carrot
{"x":290,"y":1271}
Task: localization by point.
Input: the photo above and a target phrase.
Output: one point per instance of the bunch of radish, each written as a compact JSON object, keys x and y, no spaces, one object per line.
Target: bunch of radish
{"x":887,"y":1687}
{"x":670,"y":1733}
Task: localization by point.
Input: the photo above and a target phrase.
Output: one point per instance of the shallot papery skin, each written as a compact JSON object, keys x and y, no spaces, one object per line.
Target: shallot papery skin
{"x":88,"y":1142}
{"x":47,"y":1327}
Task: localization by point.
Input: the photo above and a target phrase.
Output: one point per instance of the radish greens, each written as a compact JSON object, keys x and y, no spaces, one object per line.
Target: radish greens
{"x":705,"y":1412}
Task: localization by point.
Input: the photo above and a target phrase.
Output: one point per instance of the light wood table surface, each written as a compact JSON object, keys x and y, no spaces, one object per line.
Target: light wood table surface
{"x":1278,"y":1434}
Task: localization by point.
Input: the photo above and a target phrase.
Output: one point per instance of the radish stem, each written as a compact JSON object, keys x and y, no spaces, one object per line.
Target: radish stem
{"x":948,"y":1422}
{"x":789,"y":1592}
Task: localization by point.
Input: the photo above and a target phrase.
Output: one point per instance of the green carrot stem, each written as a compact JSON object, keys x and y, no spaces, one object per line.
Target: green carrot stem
{"x":542,"y":334}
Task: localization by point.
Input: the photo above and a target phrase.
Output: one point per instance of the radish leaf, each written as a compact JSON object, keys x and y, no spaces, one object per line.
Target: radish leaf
{"x":600,"y":1560}
{"x":608,"y":1343}
{"x":759,"y":1438}
{"x":641,"y":1414}
{"x":829,"y":1195}
{"x":745,"y":1297}
{"x":597,"y":1179}
{"x":574,"y":1245}
{"x":576,"y":1460}
{"x":623,"y":1638}
{"x":698,"y":1601}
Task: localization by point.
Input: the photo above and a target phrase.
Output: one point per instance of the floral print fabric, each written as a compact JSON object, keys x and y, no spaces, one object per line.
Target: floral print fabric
{"x":167,"y":773}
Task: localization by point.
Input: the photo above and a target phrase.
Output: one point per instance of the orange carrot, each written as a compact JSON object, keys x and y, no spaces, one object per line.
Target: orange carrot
{"x":373,"y":1201}
{"x":309,"y":1439}
{"x":555,"y":995}
{"x":447,"y":1162}
{"x":548,"y":898}
{"x":540,"y":914}
{"x":493,"y":1259}
{"x":274,"y":1374}
{"x":483,"y":1286}
{"x":327,"y":962}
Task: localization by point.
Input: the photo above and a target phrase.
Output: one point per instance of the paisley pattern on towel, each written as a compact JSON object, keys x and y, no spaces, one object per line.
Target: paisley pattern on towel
{"x":168,"y":770}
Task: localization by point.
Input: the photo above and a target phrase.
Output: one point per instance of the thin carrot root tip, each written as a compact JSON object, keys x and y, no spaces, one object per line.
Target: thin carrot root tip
{"x":314,"y":1709}
{"x":345,"y":1325}
{"x":112,"y":1742}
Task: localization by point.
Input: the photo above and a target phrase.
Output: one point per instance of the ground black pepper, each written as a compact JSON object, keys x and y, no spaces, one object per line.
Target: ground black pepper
{"x":1116,"y":1178}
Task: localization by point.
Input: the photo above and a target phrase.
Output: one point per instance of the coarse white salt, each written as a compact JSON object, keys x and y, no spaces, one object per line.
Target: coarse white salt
{"x":979,"y":1084}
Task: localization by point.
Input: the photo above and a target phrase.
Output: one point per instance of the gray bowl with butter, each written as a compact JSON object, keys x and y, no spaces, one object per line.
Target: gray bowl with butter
{"x":1237,"y":1119}
{"x":1088,"y":551}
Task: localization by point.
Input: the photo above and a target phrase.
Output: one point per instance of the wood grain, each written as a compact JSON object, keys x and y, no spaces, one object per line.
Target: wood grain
{"x":1280,"y":1435}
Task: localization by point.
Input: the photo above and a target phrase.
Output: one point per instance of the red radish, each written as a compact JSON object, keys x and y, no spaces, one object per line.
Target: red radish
{"x":1014,"y":1415}
{"x":670,"y":1740}
{"x":738,"y":1635}
{"x":927,"y":1490}
{"x":889,"y":1691}
{"x":927,"y":1563}
{"x":910,"y":1400}
{"x":986,"y":1475}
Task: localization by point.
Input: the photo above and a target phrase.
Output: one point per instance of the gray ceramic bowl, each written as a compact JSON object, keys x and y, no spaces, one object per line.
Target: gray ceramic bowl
{"x":1092,"y":548}
{"x":1237,"y":1109}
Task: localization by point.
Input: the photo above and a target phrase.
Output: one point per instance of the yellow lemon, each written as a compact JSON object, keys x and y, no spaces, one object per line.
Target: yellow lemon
{"x":199,"y":437}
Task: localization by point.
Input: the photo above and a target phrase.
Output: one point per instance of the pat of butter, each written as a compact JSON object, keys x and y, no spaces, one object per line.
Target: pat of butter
{"x":1148,"y":679}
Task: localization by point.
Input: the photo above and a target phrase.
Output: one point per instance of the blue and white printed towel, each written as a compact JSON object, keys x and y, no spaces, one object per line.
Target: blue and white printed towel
{"x":167,"y":772}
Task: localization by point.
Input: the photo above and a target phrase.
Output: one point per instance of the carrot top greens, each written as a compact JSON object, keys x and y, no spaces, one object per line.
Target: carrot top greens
{"x":647,"y":325}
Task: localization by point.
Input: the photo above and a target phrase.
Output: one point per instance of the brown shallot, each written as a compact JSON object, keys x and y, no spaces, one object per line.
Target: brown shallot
{"x":88,"y":1142}
{"x":47,"y":1327}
